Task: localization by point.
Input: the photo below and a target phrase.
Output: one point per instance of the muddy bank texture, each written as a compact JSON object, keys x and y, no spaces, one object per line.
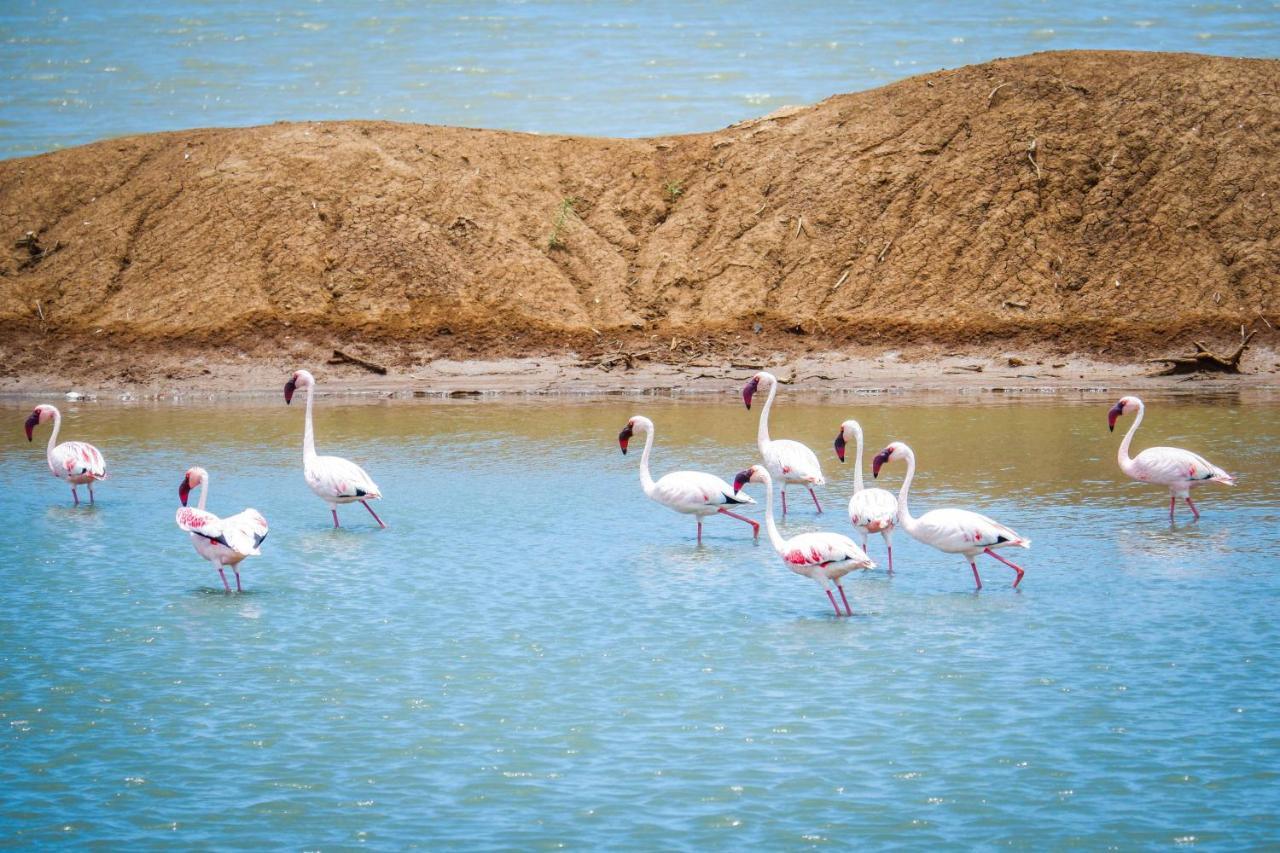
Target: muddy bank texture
{"x":1092,"y":200}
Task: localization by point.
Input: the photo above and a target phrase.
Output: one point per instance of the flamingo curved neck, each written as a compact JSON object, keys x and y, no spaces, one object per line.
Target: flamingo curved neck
{"x":857,"y":470}
{"x":308,"y":433}
{"x":904,"y":512}
{"x":1122,"y":455}
{"x":53,"y":438}
{"x":646,"y":479}
{"x":204,"y":492}
{"x":762,"y":434}
{"x":779,"y":544}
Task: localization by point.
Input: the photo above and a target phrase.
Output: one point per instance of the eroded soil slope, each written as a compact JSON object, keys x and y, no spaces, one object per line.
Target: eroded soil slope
{"x":1073,"y":197}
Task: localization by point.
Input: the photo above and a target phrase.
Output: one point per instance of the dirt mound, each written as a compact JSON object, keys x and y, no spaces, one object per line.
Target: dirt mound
{"x":1083,"y":197}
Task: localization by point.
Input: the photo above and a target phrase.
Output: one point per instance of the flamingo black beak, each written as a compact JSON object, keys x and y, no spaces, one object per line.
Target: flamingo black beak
{"x":840,"y":444}
{"x":32,"y":420}
{"x":749,"y":389}
{"x":741,"y":480}
{"x":1116,"y":411}
{"x":881,"y":458}
{"x":289,"y":388}
{"x":624,"y":437}
{"x":183,"y":490}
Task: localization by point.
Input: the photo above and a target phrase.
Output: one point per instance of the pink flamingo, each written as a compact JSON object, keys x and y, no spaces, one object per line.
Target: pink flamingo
{"x":788,"y":461}
{"x":952,"y":531}
{"x":221,"y":541}
{"x":822,"y":557}
{"x":77,"y":462}
{"x":1165,"y":466}
{"x":690,"y":492}
{"x":334,"y":480}
{"x":870,"y":510}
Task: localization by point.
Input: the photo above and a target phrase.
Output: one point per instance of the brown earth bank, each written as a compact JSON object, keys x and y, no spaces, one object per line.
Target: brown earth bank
{"x":1113,"y":205}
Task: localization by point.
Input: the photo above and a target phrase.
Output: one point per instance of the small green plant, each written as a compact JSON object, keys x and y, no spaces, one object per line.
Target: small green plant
{"x":673,"y":189}
{"x":563,"y":215}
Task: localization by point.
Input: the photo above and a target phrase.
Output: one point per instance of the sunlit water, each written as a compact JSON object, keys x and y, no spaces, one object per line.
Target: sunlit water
{"x":534,"y":654}
{"x":75,"y":72}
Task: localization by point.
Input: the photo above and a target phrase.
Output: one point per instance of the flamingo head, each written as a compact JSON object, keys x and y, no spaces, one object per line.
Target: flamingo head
{"x":194,"y":477}
{"x":848,"y":428}
{"x":754,"y":474}
{"x":636,"y":424}
{"x":40,"y":414}
{"x":896,"y":450}
{"x":749,"y":390}
{"x":1124,"y":407}
{"x":300,"y":379}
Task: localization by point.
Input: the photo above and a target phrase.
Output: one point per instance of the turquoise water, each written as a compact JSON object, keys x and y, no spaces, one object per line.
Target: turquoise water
{"x":534,"y":655}
{"x":75,"y":72}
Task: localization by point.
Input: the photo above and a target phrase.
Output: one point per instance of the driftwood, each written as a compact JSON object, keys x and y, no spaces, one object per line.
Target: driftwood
{"x":340,"y":357}
{"x":1205,"y":360}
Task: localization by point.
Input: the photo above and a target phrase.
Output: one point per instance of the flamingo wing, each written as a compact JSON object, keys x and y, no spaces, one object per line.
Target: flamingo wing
{"x":959,"y":530}
{"x":689,"y":490}
{"x":823,"y":549}
{"x":245,"y":531}
{"x":793,"y":461}
{"x":874,"y":509}
{"x":79,"y":459}
{"x":201,"y":523}
{"x":341,"y":478}
{"x":1170,"y":465}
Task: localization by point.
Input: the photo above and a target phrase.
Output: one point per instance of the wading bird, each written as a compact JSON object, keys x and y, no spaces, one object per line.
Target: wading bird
{"x":870,"y":510}
{"x":690,"y":492}
{"x":788,"y":461}
{"x":221,"y":541}
{"x":334,"y":480}
{"x":77,"y":462}
{"x":823,"y":557}
{"x":1173,"y":467}
{"x":952,"y":531}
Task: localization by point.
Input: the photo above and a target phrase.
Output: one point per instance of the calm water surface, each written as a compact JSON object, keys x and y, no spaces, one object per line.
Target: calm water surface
{"x":78,"y":71}
{"x":534,"y":655}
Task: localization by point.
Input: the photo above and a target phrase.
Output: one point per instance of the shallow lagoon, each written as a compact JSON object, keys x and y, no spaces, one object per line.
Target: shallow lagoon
{"x":533,"y":654}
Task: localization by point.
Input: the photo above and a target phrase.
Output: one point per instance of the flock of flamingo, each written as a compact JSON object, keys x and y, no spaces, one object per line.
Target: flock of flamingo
{"x":822,"y":556}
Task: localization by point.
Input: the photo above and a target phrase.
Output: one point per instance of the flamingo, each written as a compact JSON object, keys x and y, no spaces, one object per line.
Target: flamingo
{"x":77,"y":462}
{"x":221,"y":541}
{"x":1166,"y":466}
{"x":334,"y":480}
{"x":952,"y":531}
{"x":788,"y":461}
{"x":823,"y":557}
{"x":689,"y":492}
{"x":870,"y":510}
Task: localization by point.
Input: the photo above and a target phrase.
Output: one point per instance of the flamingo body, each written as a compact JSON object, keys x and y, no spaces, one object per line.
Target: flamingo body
{"x":333,"y":479}
{"x":224,"y":542}
{"x":822,"y":557}
{"x":1177,"y":469}
{"x":77,"y":463}
{"x":690,"y":492}
{"x":952,"y":531}
{"x":789,"y":462}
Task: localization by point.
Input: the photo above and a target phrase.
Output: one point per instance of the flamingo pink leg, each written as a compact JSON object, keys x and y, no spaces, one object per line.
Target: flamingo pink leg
{"x":890,"y":547}
{"x":223,"y":575}
{"x":1194,"y":511}
{"x":784,"y":503}
{"x":1172,"y":502}
{"x":1016,"y":568}
{"x":238,"y":587}
{"x":833,"y":603}
{"x":75,"y":497}
{"x":699,"y":531}
{"x":755,"y":526}
{"x":91,"y":493}
{"x":976,"y":579}
{"x":847,"y":609}
{"x":374,"y":514}
{"x":815,"y":501}
{"x":335,"y":517}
